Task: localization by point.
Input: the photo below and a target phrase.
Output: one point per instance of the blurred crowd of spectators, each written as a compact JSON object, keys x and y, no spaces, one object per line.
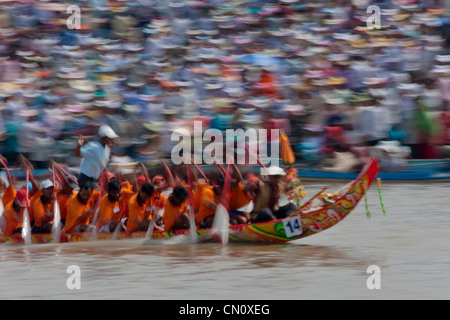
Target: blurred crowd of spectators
{"x":147,"y":67}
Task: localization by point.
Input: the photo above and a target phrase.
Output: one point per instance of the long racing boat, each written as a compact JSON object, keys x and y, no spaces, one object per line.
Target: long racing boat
{"x":306,"y":221}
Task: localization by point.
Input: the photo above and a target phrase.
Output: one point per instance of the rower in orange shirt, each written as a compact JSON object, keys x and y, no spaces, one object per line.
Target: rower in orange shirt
{"x":139,"y":214}
{"x":158,"y":198}
{"x":113,"y":206}
{"x":197,"y":195}
{"x":81,"y":209}
{"x":43,"y":202}
{"x":14,"y":213}
{"x":209,"y":199}
{"x":43,"y":207}
{"x":239,"y":198}
{"x":175,"y":210}
{"x":197,"y":189}
{"x":33,"y":186}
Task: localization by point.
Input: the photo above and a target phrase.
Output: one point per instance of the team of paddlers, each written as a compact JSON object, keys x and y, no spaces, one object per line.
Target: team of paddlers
{"x":105,"y":202}
{"x":115,"y":203}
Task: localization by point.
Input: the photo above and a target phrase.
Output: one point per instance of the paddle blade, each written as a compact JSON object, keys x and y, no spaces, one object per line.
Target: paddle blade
{"x":115,"y":234}
{"x":26,"y":228}
{"x":151,"y":225}
{"x":192,"y":225}
{"x":93,"y":225}
{"x":56,"y":228}
{"x":247,"y":208}
{"x":221,"y":224}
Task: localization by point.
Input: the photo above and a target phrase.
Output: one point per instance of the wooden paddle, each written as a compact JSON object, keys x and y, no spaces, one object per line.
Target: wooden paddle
{"x":221,"y":222}
{"x":172,"y":180}
{"x":192,"y":225}
{"x":257,"y":158}
{"x":145,"y":172}
{"x":26,"y":227}
{"x":56,"y":227}
{"x":199,"y":168}
{"x":3,"y":161}
{"x":201,"y":172}
{"x":221,"y":168}
{"x":70,"y":175}
{"x":119,"y":177}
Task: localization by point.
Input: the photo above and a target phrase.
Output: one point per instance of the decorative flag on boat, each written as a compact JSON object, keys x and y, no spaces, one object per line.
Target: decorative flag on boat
{"x":286,"y":152}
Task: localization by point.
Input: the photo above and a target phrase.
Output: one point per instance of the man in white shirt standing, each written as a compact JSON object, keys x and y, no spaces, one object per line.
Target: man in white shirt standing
{"x":96,"y":154}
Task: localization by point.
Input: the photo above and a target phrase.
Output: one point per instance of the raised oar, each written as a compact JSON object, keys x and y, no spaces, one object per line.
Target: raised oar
{"x":6,"y":168}
{"x":172,"y":181}
{"x":199,"y":168}
{"x":222,"y":169}
{"x":257,"y":158}
{"x":201,"y":172}
{"x":145,"y":172}
{"x":70,"y":175}
{"x":119,"y":177}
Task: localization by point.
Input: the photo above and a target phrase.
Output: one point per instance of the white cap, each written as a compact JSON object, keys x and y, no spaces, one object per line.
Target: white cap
{"x":106,"y":131}
{"x":443,"y":58}
{"x":46,"y":184}
{"x":274,"y":171}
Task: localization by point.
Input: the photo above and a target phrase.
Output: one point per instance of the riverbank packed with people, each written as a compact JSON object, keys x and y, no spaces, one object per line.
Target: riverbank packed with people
{"x":149,"y":67}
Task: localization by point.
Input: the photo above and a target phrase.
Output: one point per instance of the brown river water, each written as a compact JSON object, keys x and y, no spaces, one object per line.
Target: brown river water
{"x":410,"y":246}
